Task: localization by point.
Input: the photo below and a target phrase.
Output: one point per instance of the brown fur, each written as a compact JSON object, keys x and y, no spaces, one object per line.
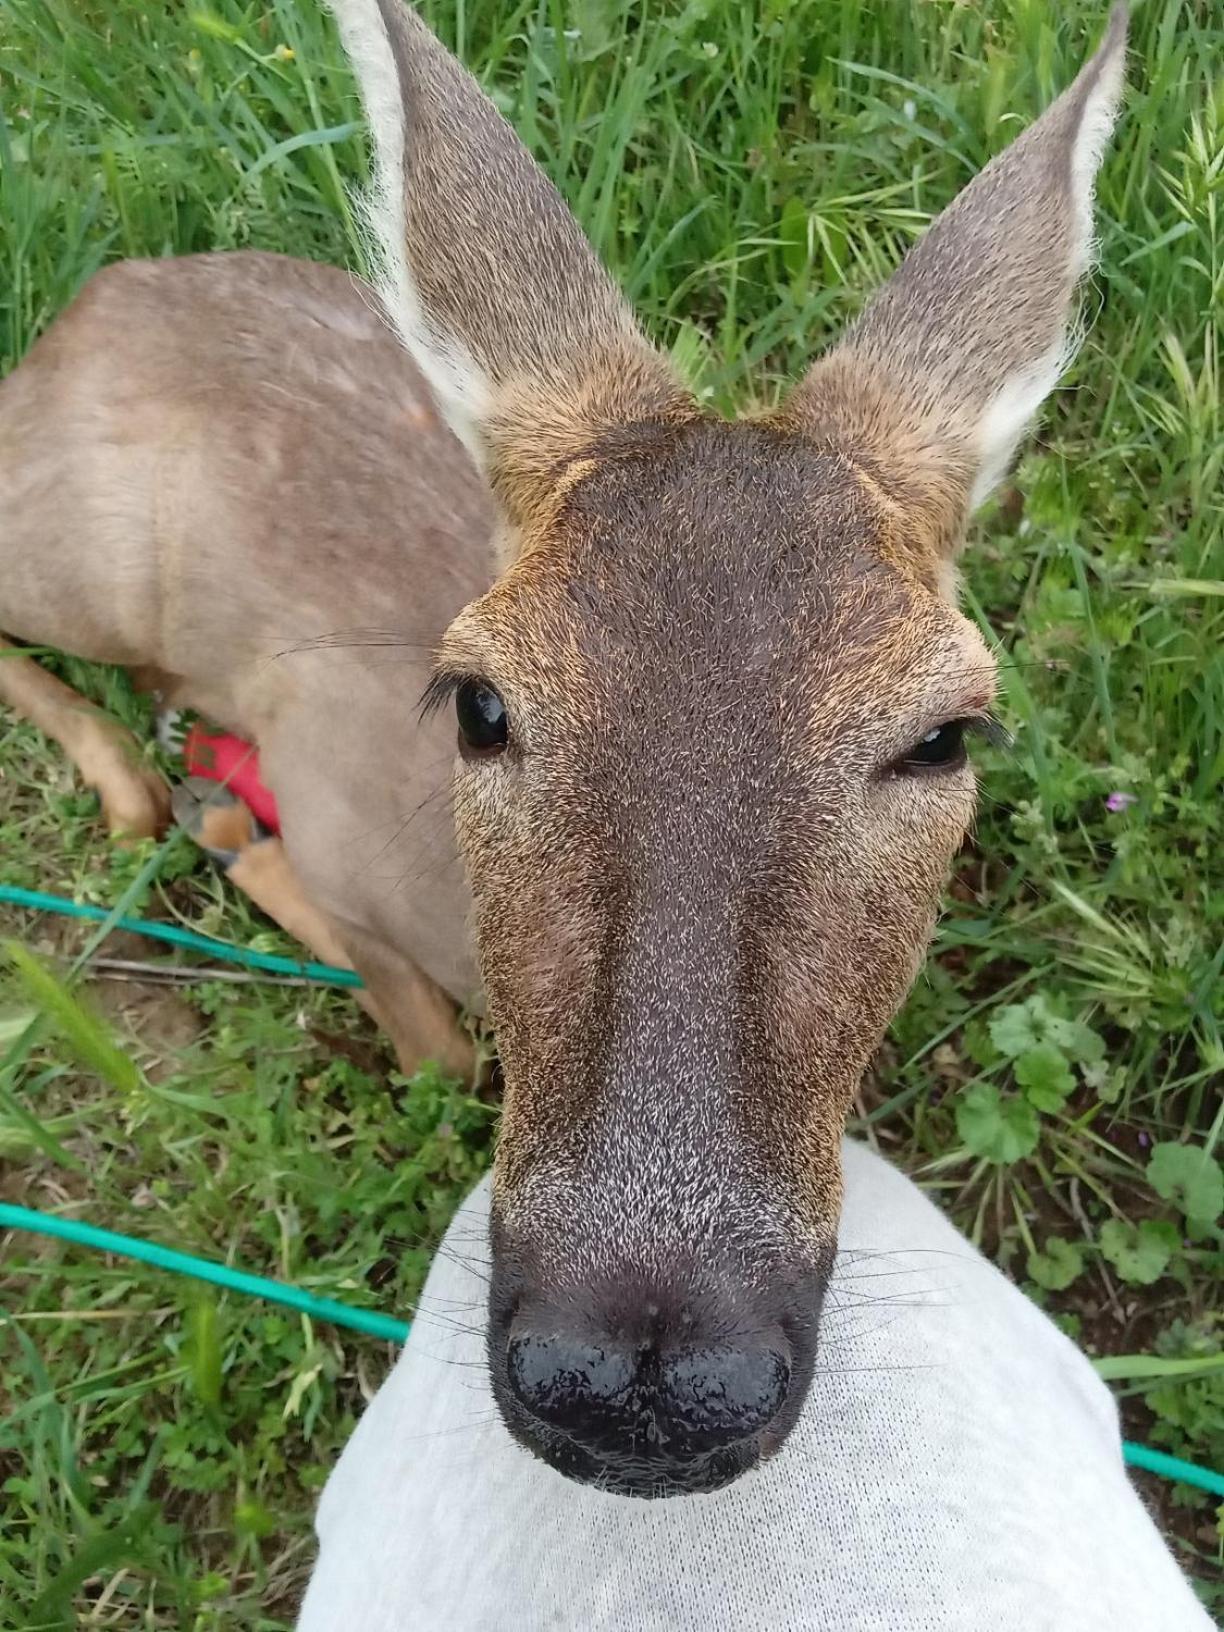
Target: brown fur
{"x":224,"y":472}
{"x":700,"y":754}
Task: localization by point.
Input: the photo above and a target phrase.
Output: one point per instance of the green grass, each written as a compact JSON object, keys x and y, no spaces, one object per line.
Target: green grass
{"x":750,"y":172}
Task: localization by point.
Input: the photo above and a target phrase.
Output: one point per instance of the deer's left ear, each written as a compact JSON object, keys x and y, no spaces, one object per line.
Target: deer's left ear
{"x":527,"y":344}
{"x":933,"y":386}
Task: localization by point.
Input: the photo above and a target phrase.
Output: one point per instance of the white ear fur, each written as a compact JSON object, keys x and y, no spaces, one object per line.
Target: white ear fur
{"x":460,"y":387}
{"x":1008,"y":414}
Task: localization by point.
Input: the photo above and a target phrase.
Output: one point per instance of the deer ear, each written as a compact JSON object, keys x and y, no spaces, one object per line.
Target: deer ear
{"x":485,"y":274}
{"x":939,"y":377}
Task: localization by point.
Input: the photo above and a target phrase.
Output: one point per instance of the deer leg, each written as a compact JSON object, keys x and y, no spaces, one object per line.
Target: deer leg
{"x":414,"y":1012}
{"x":135,"y":799}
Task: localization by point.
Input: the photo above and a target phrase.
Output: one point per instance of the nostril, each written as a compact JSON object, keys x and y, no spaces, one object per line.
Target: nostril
{"x":570,"y":1385}
{"x":720,"y":1395}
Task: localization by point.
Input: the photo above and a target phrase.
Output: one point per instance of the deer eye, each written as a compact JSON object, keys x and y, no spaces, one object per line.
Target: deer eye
{"x":942,"y":749}
{"x":483,"y":727}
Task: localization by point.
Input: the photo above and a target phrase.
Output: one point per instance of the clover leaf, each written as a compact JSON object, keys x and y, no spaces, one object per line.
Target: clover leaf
{"x":1192,"y":1179}
{"x":1141,"y":1253}
{"x":1001,"y":1130}
{"x":1045,"y":1076}
{"x":1057,"y":1266}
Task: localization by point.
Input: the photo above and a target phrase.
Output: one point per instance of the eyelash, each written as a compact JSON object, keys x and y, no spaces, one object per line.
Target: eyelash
{"x":989,"y":727}
{"x":941,"y":751}
{"x":440,"y":691}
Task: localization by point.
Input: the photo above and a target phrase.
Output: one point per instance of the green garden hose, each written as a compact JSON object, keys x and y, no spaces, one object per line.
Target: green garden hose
{"x":325,"y":973}
{"x":368,"y":1321}
{"x":396,"y":1331}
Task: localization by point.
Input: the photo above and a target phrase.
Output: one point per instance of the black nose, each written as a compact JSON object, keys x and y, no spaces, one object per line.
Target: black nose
{"x":649,"y":1402}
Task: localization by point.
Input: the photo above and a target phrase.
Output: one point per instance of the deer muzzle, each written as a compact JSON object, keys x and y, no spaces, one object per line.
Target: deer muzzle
{"x":653,"y":1387}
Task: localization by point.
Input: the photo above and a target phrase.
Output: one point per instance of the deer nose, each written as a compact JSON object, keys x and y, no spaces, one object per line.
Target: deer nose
{"x":647,"y":1402}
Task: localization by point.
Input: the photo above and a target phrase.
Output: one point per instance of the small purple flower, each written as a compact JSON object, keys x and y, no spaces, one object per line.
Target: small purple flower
{"x":1119,"y":801}
{"x":1145,"y":1140}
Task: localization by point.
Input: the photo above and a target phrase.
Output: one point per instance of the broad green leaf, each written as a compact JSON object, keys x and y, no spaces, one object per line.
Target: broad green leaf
{"x":1139,"y":1254}
{"x":1058,"y":1265}
{"x":1191,"y":1179}
{"x":1001,"y":1130}
{"x":1077,"y":1039}
{"x":1012,"y":1030}
{"x":1045,"y":1076}
{"x":1019,"y":1027}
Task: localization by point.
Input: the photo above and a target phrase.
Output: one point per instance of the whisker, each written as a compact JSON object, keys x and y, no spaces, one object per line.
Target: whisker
{"x":359,"y":637}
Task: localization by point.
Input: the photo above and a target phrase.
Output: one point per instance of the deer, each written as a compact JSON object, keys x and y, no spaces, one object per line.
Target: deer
{"x":698,"y":691}
{"x":216,"y":471}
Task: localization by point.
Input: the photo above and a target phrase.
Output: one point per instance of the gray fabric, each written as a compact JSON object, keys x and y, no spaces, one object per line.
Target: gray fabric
{"x":957,"y":1467}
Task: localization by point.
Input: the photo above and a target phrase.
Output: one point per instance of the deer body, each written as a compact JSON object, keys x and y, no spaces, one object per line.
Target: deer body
{"x":710,"y":714}
{"x":225,"y":473}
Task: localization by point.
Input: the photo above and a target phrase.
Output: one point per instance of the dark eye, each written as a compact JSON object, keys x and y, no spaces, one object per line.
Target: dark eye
{"x":483,"y":728}
{"x":940,"y":750}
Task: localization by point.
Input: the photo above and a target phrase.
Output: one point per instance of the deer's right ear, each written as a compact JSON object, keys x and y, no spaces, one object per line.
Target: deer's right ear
{"x":935,"y":384}
{"x":527,"y":344}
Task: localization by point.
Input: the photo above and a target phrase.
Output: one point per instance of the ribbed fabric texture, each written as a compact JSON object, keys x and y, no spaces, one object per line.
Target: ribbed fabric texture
{"x":957,"y":1468}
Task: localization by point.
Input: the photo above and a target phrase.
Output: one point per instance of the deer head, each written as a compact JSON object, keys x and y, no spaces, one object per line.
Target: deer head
{"x":711,"y":769}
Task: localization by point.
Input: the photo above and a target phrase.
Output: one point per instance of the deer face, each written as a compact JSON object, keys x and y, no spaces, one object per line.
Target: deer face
{"x":711,"y":767}
{"x":711,"y":777}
